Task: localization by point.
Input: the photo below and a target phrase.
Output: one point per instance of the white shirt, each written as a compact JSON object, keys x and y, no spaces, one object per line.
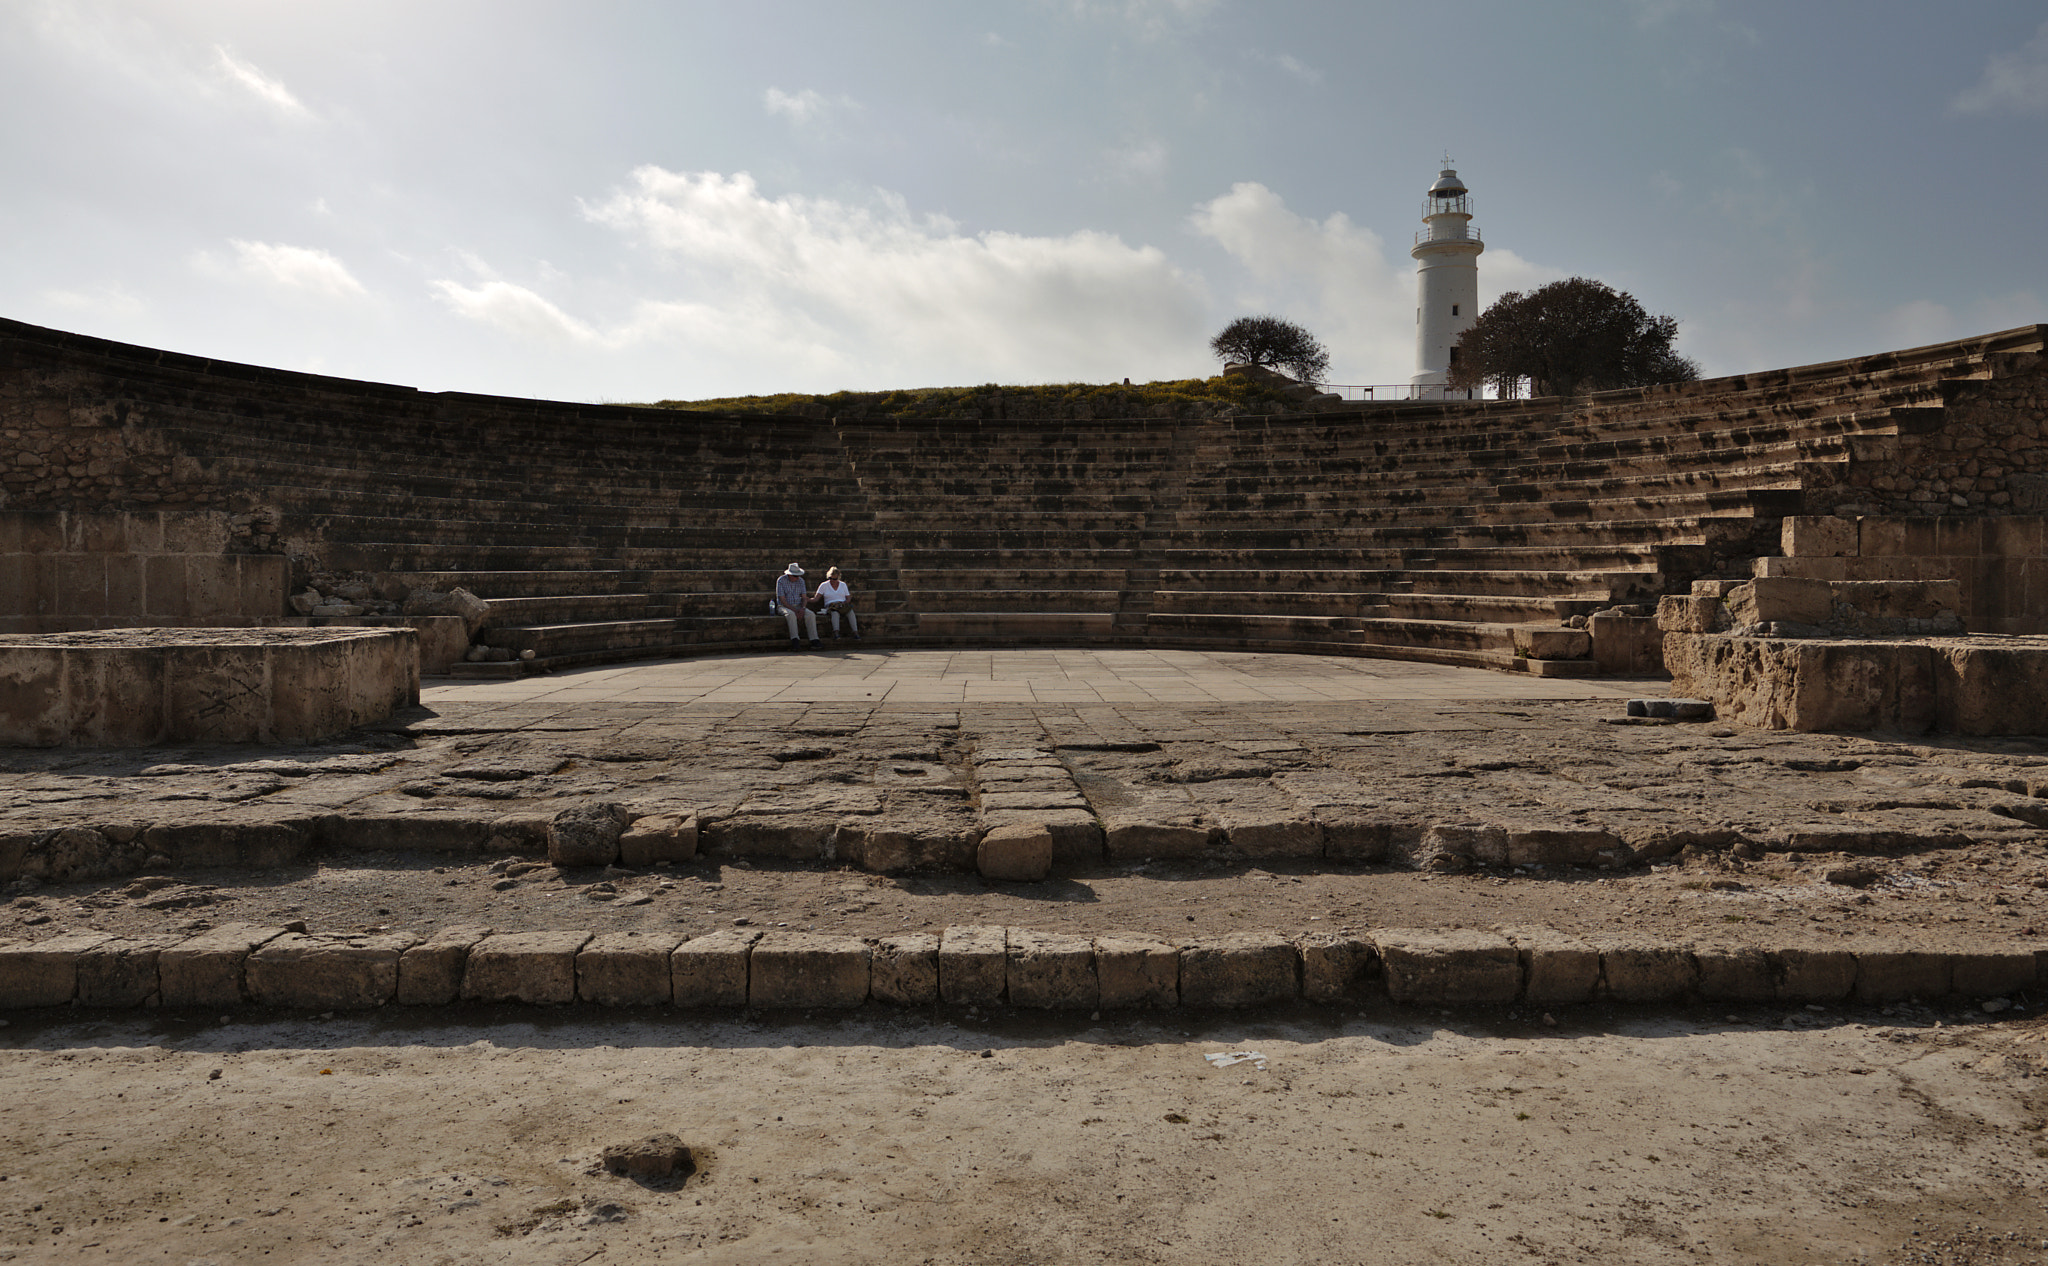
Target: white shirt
{"x":834,"y":591}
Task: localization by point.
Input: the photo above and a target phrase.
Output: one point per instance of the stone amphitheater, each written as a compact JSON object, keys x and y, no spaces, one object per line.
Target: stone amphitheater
{"x":329,"y":698}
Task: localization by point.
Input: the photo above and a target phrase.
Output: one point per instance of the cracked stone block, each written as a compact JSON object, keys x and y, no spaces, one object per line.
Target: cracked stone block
{"x":1633,"y":970}
{"x":1893,"y":975}
{"x":530,"y":967}
{"x":585,"y":835}
{"x":430,"y":973}
{"x":1052,"y":970}
{"x":1455,"y":966}
{"x":805,"y":969}
{"x":1565,"y":846}
{"x":206,"y":971}
{"x":1020,"y":853}
{"x":1246,"y":970}
{"x":1813,"y":975}
{"x":904,"y":969}
{"x":321,"y":973}
{"x":626,"y":969}
{"x":44,"y":973}
{"x":1076,"y":835}
{"x":1335,"y":967}
{"x":711,"y":970}
{"x":1137,"y":971}
{"x":1131,"y":840}
{"x":121,"y":972}
{"x":658,"y":837}
{"x":1735,"y":973}
{"x":973,"y":964}
{"x":1263,"y":836}
{"x":1986,"y":973}
{"x":1557,"y":969}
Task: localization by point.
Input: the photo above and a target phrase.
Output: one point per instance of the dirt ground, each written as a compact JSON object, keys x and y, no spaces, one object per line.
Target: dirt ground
{"x":1818,"y":1136}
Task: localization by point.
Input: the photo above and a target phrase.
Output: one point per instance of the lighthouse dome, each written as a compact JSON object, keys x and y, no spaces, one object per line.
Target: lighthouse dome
{"x":1447,"y":185}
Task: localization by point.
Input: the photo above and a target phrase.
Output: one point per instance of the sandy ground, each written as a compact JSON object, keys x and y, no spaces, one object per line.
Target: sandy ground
{"x":1380,"y":1137}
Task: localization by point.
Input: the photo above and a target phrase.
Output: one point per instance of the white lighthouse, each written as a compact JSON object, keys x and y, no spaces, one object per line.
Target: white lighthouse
{"x":1446,"y":280}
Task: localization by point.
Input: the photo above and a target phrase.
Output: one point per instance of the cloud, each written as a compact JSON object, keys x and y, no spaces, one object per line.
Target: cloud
{"x":807,"y":107}
{"x":296,"y":268}
{"x":108,"y":300}
{"x":1150,"y":18}
{"x":270,"y":91}
{"x":1140,"y":160}
{"x":883,"y":295}
{"x":517,"y":311}
{"x":1294,"y":66}
{"x":2016,"y":81}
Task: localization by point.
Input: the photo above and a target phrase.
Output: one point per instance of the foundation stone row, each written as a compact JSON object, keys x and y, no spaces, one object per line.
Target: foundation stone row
{"x":246,"y":965}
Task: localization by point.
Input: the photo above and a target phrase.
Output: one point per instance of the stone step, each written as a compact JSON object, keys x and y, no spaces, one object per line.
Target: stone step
{"x":1483,"y":608}
{"x":932,"y":601}
{"x":1014,"y":626}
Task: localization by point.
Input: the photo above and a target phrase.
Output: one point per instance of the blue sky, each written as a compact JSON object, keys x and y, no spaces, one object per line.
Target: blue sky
{"x":636,"y":200}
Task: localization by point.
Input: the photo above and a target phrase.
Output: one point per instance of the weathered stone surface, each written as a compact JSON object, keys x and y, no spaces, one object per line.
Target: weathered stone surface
{"x":1626,"y":645}
{"x":1533,"y":641}
{"x":796,"y":837}
{"x":1817,"y":536}
{"x":1780,"y":684}
{"x":1770,"y":599}
{"x":426,"y":832}
{"x":892,"y":846}
{"x":1813,"y":975}
{"x":1335,"y":967}
{"x":585,"y":835}
{"x":323,"y":973}
{"x":1453,"y":966}
{"x":1992,"y":688}
{"x":1137,"y":972}
{"x":206,"y":971}
{"x":1984,"y":973}
{"x":1130,"y":839}
{"x":1564,"y":846}
{"x":121,"y":972}
{"x":1266,"y":835}
{"x":1556,"y":969}
{"x":1691,"y":613}
{"x":1734,"y":973}
{"x":904,"y":969}
{"x":1076,"y":835}
{"x":430,"y":973}
{"x":626,"y":969}
{"x":712,"y":970}
{"x":973,"y":964}
{"x":43,"y":973}
{"x":1247,"y":970}
{"x":531,"y":967}
{"x":190,"y":845}
{"x":1895,"y":973}
{"x":804,"y":969}
{"x":1451,"y":846}
{"x":1048,"y":969}
{"x":658,"y":837}
{"x":1639,"y":970}
{"x":657,"y":1159}
{"x":1018,"y":854}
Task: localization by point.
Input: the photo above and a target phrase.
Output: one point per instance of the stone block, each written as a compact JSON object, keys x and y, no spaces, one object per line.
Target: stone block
{"x":206,"y":971}
{"x":1557,"y":969}
{"x":805,"y":969}
{"x":658,"y":837}
{"x":1136,"y":840}
{"x":893,"y":847}
{"x":1249,"y":969}
{"x":34,"y":707}
{"x":1820,"y":537}
{"x":1638,"y":970}
{"x":1267,"y":835}
{"x":1535,"y":641}
{"x":626,"y":969}
{"x":1626,"y":645}
{"x":1455,"y":966}
{"x":1735,"y":973}
{"x":1052,"y":970}
{"x":427,"y":832}
{"x":1020,"y":853}
{"x":430,"y":973}
{"x":1137,"y":972}
{"x":1335,"y":967}
{"x":531,"y":967}
{"x":44,"y":973}
{"x":1813,"y":975}
{"x":260,"y":845}
{"x":585,"y":835}
{"x":1779,"y":684}
{"x":904,"y":969}
{"x":711,"y":970}
{"x":1565,"y":846}
{"x":1986,"y":973}
{"x":1451,"y":846}
{"x":1357,"y":835}
{"x":1898,"y":537}
{"x":1990,"y":689}
{"x":973,"y":964}
{"x":1893,"y":974}
{"x":324,"y":973}
{"x":121,"y":972}
{"x":795,"y":837}
{"x":1769,"y":599}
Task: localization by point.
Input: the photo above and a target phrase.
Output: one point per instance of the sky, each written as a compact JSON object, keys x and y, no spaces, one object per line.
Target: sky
{"x":632,"y":200}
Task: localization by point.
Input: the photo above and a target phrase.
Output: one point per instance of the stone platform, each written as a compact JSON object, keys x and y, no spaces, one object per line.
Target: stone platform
{"x":153,"y":686}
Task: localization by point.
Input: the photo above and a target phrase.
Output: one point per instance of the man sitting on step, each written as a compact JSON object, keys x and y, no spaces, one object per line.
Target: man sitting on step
{"x":790,"y":595}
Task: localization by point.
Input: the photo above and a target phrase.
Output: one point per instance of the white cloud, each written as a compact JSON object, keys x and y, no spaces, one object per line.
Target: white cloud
{"x":1138,"y":161}
{"x":2015,"y":81}
{"x":807,"y":107}
{"x":296,"y":268}
{"x":517,"y":311}
{"x":248,"y":78}
{"x":106,"y":300}
{"x":887,"y":296}
{"x":1294,"y":66}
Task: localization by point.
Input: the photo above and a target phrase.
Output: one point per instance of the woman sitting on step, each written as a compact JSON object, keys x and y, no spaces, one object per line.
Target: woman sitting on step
{"x":837,"y":598}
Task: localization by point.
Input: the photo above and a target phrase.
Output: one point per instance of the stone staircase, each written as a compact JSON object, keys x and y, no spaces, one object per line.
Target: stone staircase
{"x":1415,"y":530}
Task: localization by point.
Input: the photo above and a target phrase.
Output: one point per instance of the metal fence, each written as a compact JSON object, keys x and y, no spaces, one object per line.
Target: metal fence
{"x":1368,"y":392}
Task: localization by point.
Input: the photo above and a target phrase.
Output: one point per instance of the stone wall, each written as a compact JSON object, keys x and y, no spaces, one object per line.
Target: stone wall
{"x":2000,"y":562}
{"x":66,"y":571}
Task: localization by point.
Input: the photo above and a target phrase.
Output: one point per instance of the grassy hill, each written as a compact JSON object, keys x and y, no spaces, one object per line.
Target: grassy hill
{"x":1185,"y":397}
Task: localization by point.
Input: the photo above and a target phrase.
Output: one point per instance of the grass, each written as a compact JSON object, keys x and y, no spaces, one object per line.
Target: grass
{"x":1045,"y":400}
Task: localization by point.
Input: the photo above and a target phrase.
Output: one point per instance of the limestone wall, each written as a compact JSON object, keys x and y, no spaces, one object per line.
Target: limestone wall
{"x":2000,"y":562}
{"x":64,"y":571}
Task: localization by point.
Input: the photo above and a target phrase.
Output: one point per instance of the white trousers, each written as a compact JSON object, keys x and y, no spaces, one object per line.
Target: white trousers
{"x":810,"y":621}
{"x":852,"y":624}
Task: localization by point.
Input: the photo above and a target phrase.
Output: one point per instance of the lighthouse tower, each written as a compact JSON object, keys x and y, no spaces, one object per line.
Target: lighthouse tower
{"x":1447,"y":280}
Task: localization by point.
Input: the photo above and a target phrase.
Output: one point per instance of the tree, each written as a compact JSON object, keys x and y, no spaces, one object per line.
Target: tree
{"x":1568,"y":336}
{"x":1272,"y":343}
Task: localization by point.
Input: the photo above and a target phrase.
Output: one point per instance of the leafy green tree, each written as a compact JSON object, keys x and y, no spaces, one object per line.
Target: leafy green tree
{"x":1569,"y":336}
{"x":1272,"y":343}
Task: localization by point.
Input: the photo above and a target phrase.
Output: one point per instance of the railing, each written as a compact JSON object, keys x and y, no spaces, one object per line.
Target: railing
{"x":1427,"y":235}
{"x":1368,"y":392}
